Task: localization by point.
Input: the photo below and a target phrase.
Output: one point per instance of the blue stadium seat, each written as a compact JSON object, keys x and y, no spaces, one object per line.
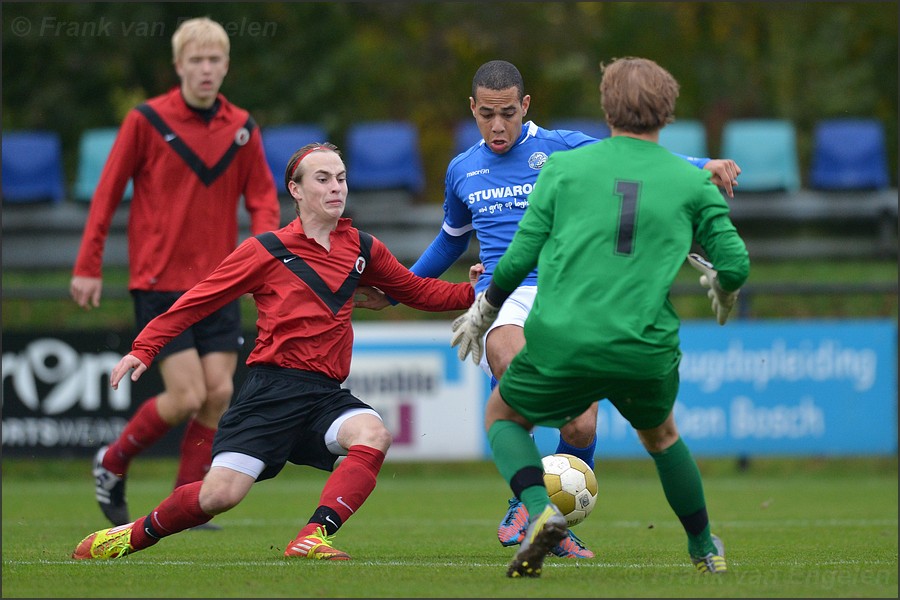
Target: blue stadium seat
{"x":849,"y":154}
{"x":687,"y":137}
{"x":465,"y":135}
{"x":281,"y":141}
{"x":766,"y":152}
{"x":596,"y":128}
{"x":32,"y":167}
{"x":93,"y":150}
{"x":384,"y":155}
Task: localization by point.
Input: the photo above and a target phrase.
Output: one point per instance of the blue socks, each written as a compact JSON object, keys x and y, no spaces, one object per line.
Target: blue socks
{"x":586,"y":454}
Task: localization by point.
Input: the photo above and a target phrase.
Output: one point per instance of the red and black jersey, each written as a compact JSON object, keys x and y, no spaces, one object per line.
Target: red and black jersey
{"x":187,"y":184}
{"x":303,"y":304}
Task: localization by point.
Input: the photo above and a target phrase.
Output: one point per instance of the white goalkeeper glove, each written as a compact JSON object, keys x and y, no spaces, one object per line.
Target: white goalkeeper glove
{"x":722,"y":301}
{"x":469,"y":328}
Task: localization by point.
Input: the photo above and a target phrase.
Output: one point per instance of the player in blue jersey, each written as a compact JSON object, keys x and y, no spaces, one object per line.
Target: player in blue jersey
{"x":486,"y":192}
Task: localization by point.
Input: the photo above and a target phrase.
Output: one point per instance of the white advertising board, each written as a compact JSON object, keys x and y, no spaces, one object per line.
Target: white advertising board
{"x":430,"y":401}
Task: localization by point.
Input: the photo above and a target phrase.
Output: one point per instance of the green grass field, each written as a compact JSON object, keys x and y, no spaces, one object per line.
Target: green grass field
{"x":792,"y":528}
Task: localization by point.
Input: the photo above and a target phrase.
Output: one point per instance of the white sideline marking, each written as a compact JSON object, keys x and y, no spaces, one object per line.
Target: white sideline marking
{"x":781,"y":524}
{"x":743,"y":523}
{"x":279,"y":561}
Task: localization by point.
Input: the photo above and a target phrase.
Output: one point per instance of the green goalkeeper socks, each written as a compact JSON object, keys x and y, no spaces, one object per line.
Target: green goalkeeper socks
{"x":683,"y":487}
{"x":519,"y":462}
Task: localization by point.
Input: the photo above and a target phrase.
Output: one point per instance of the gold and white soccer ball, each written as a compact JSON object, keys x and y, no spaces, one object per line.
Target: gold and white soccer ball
{"x":572,"y":486}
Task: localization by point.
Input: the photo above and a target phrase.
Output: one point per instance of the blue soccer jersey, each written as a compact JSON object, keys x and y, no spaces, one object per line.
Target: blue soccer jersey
{"x":487,"y":193}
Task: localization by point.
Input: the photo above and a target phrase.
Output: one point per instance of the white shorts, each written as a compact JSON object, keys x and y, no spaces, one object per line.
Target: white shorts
{"x":514,"y":311}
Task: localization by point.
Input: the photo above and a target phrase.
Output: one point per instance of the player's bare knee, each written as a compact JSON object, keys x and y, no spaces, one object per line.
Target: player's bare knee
{"x":580,"y":432}
{"x":218,"y":499}
{"x":217,"y":401}
{"x":188,"y":402}
{"x":220,"y":391}
{"x":376,"y":436}
{"x":657,"y":441}
{"x":661,"y":437}
{"x":382,"y":438}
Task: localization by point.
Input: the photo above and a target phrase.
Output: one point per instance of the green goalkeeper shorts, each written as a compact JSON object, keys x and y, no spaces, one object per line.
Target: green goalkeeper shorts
{"x":554,"y":401}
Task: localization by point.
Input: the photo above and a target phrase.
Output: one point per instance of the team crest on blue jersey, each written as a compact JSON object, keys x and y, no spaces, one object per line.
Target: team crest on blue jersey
{"x":537,"y":160}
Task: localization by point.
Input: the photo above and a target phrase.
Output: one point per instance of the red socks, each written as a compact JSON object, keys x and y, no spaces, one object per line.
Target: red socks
{"x":345,"y":491}
{"x":350,"y":484}
{"x":196,"y":453}
{"x":143,"y":430}
{"x":146,"y":428}
{"x":180,"y":511}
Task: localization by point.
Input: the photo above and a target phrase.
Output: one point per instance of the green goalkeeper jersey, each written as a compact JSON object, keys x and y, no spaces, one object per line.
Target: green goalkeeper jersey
{"x":608,"y":226}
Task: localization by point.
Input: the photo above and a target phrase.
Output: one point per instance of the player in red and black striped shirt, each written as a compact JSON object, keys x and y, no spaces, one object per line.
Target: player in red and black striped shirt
{"x":292,"y":407}
{"x":191,"y":155}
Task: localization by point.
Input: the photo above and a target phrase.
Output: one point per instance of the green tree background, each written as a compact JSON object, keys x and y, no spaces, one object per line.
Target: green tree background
{"x":69,"y":67}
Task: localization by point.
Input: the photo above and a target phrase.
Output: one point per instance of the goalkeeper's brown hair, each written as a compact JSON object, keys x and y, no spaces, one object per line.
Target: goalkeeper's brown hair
{"x":637,"y":95}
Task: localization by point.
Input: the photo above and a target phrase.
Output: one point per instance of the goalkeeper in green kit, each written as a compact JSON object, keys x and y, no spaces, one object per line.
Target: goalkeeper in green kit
{"x":608,"y":226}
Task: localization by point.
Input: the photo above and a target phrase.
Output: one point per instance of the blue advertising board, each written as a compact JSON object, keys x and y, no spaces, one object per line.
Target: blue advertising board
{"x":799,"y":388}
{"x":775,"y":388}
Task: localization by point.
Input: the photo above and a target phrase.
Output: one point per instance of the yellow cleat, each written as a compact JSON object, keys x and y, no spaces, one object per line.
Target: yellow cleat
{"x":106,"y":543}
{"x":713,"y":563}
{"x":316,"y":546}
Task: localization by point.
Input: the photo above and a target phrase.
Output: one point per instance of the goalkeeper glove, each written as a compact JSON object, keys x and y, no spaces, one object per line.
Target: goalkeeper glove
{"x":469,"y":328}
{"x":722,"y":301}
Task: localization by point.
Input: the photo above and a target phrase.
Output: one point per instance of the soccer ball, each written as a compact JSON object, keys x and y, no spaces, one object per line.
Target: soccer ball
{"x":572,"y":486}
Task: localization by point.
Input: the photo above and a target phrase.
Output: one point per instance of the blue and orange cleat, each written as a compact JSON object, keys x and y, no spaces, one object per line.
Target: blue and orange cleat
{"x":512,"y":528}
{"x":571,"y":547}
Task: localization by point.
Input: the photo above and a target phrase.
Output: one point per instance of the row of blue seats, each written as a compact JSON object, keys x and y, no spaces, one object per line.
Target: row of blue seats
{"x":848,"y":154}
{"x":384,"y":154}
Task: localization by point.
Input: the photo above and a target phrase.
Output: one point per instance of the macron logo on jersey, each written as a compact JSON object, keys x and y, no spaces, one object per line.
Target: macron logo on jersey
{"x":478,"y":172}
